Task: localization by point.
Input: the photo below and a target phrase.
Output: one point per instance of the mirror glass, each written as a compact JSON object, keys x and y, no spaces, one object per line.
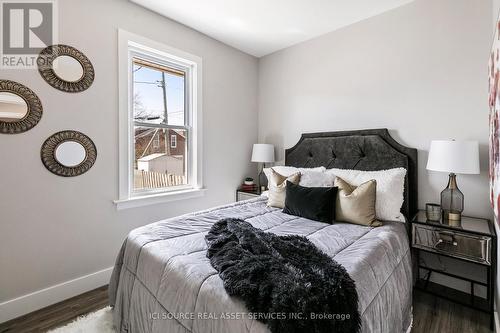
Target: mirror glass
{"x":67,"y":68}
{"x":12,"y":107}
{"x":70,"y":153}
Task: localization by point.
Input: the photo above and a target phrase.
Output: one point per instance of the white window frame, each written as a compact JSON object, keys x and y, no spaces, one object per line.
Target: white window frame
{"x":129,"y":46}
{"x":173,"y":141}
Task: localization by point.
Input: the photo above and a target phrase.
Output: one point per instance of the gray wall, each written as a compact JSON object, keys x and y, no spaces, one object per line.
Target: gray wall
{"x":54,"y":229}
{"x":419,"y":70}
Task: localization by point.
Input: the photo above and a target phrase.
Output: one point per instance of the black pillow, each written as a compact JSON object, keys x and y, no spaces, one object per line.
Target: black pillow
{"x":314,"y":203}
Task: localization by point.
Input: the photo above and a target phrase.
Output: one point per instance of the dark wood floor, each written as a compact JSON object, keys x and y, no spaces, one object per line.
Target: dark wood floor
{"x":58,"y":314}
{"x":430,"y":315}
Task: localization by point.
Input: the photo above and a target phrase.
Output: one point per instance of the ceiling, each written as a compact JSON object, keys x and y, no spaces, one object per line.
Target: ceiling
{"x":260,"y":27}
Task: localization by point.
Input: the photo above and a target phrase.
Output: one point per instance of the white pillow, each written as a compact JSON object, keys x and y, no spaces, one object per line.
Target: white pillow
{"x":316,"y":179}
{"x":390,"y":189}
{"x":287,"y":171}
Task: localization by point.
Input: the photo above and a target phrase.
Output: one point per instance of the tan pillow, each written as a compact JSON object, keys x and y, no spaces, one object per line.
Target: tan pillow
{"x":277,"y":188}
{"x":356,"y":204}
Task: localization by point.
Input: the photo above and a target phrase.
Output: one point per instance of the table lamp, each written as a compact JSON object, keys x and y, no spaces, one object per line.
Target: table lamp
{"x":262,"y":153}
{"x":454,"y":157}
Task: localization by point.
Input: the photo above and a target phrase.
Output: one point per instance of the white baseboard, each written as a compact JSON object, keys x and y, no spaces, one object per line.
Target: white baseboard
{"x":41,"y":298}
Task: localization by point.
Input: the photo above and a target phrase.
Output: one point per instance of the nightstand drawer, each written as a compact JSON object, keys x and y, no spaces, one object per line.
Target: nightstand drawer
{"x":461,"y":245}
{"x":240,"y":196}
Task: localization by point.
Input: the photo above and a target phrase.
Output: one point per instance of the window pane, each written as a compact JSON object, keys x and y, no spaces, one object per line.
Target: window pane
{"x":160,"y":158}
{"x":158,"y":93}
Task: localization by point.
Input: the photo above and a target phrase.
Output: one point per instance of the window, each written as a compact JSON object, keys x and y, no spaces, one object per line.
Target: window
{"x":159,"y":120}
{"x":173,"y":141}
{"x":159,"y":105}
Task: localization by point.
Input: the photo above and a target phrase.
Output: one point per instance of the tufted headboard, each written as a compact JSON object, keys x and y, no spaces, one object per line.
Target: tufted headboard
{"x":370,"y":149}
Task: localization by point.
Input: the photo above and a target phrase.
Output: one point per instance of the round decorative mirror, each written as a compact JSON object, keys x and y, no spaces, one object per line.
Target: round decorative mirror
{"x":12,"y":107}
{"x":20,"y":108}
{"x":68,"y":153}
{"x":65,"y":68}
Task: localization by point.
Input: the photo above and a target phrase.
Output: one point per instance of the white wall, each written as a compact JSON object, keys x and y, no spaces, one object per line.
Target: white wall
{"x":54,"y":229}
{"x":419,"y":70}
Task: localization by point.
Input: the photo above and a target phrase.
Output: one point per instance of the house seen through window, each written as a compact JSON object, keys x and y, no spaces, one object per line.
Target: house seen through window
{"x":160,"y":126}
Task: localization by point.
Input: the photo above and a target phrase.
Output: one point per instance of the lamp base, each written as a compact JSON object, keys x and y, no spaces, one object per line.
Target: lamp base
{"x":452,"y":215}
{"x":452,"y":200}
{"x":262,"y":178}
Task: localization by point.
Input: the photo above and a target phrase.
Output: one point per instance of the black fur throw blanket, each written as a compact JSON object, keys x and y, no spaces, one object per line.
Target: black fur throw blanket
{"x":285,"y":281}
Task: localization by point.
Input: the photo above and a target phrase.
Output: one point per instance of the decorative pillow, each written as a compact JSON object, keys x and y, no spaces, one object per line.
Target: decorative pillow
{"x":316,"y":179}
{"x":356,"y":204}
{"x":390,"y":189}
{"x":314,"y":203}
{"x":288,"y":170}
{"x":277,"y":188}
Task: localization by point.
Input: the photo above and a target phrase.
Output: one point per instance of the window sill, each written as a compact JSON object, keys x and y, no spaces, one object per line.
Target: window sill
{"x":153,"y":199}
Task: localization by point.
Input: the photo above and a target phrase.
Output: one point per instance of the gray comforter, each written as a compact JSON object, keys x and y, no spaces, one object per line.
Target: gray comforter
{"x":163,"y":282}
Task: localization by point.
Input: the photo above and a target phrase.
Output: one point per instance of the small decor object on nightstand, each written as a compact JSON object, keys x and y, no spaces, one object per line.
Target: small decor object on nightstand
{"x":262,"y":153}
{"x":249,"y":188}
{"x":433,"y":212}
{"x":248,"y":181}
{"x":453,"y":157}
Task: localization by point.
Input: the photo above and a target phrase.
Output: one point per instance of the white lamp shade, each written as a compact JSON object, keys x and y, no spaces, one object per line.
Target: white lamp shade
{"x":454,"y":156}
{"x":263,"y":153}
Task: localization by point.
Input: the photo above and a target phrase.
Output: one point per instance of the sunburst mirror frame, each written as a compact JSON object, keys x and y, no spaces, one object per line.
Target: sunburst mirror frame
{"x":45,"y":62}
{"x":33,"y":103}
{"x":48,"y":153}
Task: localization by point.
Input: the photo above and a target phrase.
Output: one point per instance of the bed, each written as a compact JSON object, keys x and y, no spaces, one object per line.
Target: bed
{"x":163,"y":282}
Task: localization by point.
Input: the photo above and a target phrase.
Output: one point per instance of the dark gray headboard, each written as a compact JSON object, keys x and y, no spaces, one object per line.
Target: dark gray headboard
{"x":370,"y":149}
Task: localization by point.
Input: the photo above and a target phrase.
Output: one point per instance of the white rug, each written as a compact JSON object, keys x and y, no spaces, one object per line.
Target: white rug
{"x":100,"y":321}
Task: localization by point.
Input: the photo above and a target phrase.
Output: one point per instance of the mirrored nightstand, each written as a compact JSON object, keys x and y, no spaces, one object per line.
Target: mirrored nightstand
{"x":242,"y":194}
{"x":471,"y":240}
